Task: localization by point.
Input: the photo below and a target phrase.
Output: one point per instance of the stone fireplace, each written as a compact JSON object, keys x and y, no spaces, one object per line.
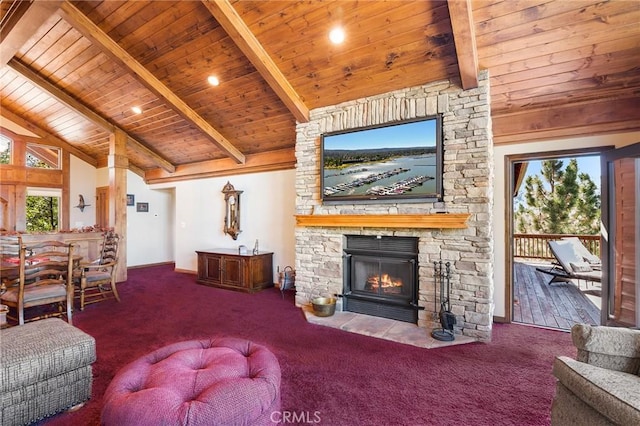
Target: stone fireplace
{"x":467,"y":186}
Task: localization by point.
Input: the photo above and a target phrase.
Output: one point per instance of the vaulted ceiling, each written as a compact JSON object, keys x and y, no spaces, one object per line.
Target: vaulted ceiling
{"x":72,"y":71}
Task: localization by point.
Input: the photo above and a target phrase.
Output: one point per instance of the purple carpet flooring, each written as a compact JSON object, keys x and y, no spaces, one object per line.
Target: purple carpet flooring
{"x":329,"y":376}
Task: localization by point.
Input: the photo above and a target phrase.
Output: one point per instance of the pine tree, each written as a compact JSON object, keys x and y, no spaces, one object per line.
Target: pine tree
{"x":559,"y":201}
{"x":588,"y":206}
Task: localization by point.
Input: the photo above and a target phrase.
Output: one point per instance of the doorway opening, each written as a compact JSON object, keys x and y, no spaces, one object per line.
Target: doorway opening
{"x":555,"y":240}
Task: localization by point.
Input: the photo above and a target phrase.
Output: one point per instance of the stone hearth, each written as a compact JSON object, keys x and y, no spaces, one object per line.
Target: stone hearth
{"x":382,"y":328}
{"x":467,"y":187}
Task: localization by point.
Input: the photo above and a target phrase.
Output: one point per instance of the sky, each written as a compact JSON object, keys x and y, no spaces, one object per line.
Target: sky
{"x":419,"y":133}
{"x":589,"y":165}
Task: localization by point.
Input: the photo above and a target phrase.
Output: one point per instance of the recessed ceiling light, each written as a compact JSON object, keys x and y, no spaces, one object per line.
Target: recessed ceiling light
{"x":136,"y":109}
{"x":337,"y":35}
{"x":213,"y":80}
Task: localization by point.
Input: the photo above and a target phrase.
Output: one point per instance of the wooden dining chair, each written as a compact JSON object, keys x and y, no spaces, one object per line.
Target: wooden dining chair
{"x":9,"y":259}
{"x":97,"y":280}
{"x":45,"y":273}
{"x":10,"y":246}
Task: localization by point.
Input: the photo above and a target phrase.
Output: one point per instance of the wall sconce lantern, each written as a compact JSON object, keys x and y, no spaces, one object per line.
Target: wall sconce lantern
{"x":232,"y":210}
{"x":81,"y":204}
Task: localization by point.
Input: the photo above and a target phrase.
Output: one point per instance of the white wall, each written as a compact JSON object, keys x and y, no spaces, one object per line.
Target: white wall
{"x":83,"y":180}
{"x":189,"y":215}
{"x":500,"y":208}
{"x":150,"y":235}
{"x":267,"y":208}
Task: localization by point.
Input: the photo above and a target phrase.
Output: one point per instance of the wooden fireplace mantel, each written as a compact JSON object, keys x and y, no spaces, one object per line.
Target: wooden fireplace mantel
{"x":422,"y":221}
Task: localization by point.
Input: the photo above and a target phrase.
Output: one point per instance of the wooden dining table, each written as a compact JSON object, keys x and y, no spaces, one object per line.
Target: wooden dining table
{"x":10,"y":267}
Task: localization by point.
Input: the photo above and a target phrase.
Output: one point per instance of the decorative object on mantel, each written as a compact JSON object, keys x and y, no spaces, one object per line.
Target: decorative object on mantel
{"x":447,"y":318}
{"x":232,"y":211}
{"x":423,"y":221}
{"x":81,"y":204}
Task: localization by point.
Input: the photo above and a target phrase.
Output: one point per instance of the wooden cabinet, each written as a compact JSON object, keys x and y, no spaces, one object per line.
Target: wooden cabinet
{"x":226,"y":268}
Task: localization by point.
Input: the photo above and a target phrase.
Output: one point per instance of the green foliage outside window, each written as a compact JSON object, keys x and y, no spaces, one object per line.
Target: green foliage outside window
{"x":35,"y":162}
{"x":42,"y":213}
{"x":5,"y":150}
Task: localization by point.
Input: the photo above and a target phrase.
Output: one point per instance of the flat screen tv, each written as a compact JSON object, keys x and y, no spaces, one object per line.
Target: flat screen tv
{"x":399,"y":161}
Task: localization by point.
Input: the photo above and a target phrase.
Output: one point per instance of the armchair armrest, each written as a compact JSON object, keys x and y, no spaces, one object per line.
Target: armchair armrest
{"x":612,"y":348}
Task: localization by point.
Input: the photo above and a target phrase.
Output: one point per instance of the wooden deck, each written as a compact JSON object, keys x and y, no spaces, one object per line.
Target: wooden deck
{"x":559,"y":305}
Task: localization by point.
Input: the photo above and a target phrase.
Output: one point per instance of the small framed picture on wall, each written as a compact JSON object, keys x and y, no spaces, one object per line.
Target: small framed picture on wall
{"x":131,"y":199}
{"x":142,"y":207}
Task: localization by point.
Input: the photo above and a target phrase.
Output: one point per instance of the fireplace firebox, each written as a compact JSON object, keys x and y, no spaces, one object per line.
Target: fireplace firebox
{"x":380,"y":276}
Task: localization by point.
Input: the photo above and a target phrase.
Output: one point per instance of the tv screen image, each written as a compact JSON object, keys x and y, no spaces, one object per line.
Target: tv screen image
{"x":399,"y":161}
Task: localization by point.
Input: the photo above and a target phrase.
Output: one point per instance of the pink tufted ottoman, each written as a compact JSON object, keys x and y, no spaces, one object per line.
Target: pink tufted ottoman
{"x":224,"y":381}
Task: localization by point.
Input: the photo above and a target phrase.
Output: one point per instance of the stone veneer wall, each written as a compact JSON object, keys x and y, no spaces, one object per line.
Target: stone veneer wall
{"x":467,"y":185}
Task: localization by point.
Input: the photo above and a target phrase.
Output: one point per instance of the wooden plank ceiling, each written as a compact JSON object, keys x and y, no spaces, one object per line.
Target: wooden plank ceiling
{"x":73,"y":70}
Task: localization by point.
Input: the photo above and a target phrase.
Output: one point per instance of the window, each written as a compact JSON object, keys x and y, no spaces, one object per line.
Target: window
{"x":43,"y":157}
{"x":5,"y":150}
{"x":43,"y":212}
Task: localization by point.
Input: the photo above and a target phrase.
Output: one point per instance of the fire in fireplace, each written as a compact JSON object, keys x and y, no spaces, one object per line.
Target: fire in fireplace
{"x":380,"y":276}
{"x":386,"y":283}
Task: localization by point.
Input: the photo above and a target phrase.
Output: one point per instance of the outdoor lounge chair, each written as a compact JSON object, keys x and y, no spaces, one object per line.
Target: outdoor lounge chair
{"x":573,"y":261}
{"x":581,"y":250}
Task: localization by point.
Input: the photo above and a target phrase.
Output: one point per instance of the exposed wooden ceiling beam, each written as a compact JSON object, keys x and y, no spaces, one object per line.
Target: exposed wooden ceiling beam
{"x":48,"y":138}
{"x":59,"y":94}
{"x":92,"y":32}
{"x":137,"y":170}
{"x":12,"y":16}
{"x":17,"y":31}
{"x":233,"y":24}
{"x":283,"y":159}
{"x":149,"y":153}
{"x":86,"y":112}
{"x":464,"y":38}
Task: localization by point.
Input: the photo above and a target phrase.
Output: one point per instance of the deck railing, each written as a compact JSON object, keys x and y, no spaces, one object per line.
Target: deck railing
{"x":535,"y":246}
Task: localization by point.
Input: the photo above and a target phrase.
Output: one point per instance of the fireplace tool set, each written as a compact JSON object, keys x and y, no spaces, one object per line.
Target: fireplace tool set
{"x":447,"y":318}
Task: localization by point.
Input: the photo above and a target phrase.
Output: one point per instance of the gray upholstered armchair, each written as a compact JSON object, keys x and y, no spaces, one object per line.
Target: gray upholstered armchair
{"x":601,"y":387}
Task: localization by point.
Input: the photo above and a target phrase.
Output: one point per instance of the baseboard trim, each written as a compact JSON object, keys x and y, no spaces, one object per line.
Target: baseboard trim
{"x":186,"y":271}
{"x":151,"y":264}
{"x":501,"y":320}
